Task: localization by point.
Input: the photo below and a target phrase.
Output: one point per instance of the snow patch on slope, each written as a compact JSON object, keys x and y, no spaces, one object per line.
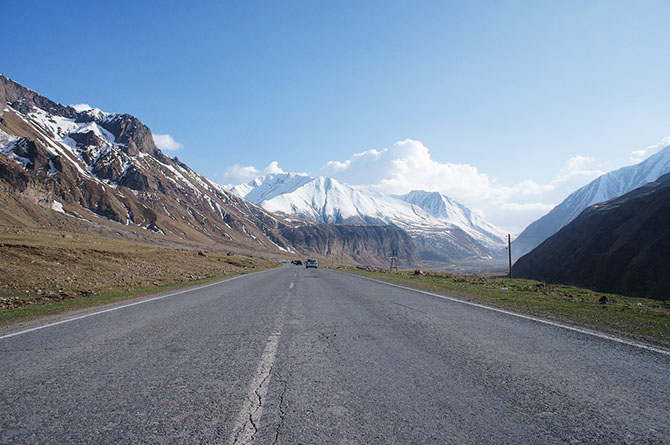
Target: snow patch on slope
{"x":57,"y":206}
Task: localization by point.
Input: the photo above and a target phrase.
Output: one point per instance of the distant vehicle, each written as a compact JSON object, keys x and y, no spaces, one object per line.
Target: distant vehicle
{"x":311,"y":263}
{"x":297,"y":262}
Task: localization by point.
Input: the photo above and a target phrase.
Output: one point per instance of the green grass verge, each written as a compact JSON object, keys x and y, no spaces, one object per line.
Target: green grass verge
{"x":38,"y":310}
{"x":640,"y":318}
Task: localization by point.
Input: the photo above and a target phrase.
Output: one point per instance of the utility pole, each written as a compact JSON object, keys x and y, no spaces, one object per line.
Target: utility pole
{"x":394,"y":260}
{"x":509,"y":251}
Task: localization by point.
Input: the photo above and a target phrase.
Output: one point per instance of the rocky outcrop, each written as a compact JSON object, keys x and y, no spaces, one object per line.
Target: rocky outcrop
{"x":23,"y":99}
{"x":134,"y":179}
{"x":133,"y":134}
{"x":87,"y":140}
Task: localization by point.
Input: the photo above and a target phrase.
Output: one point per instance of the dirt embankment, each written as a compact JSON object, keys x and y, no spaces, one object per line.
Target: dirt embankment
{"x":41,"y":266}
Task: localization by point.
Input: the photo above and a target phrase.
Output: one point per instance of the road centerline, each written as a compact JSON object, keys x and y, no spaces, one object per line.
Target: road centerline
{"x":248,"y":419}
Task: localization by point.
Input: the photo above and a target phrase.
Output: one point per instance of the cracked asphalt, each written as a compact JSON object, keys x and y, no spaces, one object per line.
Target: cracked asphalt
{"x":296,"y":355}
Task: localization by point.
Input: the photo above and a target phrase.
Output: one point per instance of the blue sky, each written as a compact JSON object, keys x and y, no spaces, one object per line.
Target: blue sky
{"x":509,"y":105}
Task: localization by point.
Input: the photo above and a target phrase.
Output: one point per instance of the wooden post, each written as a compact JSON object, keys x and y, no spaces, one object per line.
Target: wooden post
{"x":509,"y":251}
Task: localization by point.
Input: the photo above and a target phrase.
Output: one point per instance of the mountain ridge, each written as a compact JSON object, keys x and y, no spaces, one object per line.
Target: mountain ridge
{"x":605,"y":187}
{"x":451,"y":231}
{"x":92,"y":170}
{"x":616,"y":246}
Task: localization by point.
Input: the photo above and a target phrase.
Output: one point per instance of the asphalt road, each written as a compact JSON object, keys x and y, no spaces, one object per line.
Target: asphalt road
{"x":315,"y":356}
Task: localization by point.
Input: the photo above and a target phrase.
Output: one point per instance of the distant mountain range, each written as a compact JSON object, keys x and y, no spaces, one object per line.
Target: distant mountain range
{"x":442,"y":229}
{"x":619,"y":246}
{"x":87,"y":170}
{"x":607,"y":186}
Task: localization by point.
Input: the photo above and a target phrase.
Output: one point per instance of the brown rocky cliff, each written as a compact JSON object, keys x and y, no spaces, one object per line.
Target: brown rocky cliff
{"x":366,"y":244}
{"x":136,"y":136}
{"x":23,"y":99}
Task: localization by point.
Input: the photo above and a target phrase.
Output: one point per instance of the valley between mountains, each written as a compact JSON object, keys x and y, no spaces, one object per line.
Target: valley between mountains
{"x":327,"y":222}
{"x":82,"y":190}
{"x":186,"y":321}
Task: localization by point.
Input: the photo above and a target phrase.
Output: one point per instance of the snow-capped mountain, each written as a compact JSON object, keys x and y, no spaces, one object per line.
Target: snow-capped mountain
{"x":83,"y":170}
{"x":605,"y":187}
{"x":267,"y":187}
{"x":448,"y":210}
{"x":617,"y":246}
{"x":441,"y":228}
{"x":88,"y":168}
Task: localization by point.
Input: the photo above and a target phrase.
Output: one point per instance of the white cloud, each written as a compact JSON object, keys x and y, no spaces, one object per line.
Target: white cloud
{"x":527,"y":207}
{"x":642,"y":154}
{"x":528,"y":187}
{"x":578,"y":166}
{"x":81,"y":107}
{"x":239,"y":174}
{"x":405,"y":166}
{"x":167,"y":142}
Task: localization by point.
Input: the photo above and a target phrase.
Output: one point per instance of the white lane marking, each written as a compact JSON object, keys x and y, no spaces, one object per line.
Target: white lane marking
{"x":529,"y":317}
{"x":291,"y":285}
{"x":248,"y":419}
{"x":116,"y":308}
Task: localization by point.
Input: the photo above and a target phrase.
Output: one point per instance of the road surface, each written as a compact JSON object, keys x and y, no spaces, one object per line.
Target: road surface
{"x":296,"y":355}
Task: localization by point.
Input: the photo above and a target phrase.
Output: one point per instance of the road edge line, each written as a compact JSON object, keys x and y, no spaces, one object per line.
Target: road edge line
{"x":524,"y":316}
{"x":123,"y":306}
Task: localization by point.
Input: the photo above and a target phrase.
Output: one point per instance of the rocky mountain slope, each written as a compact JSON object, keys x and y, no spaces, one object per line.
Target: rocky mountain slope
{"x":442,"y":229}
{"x":362,"y":243}
{"x":86,"y":169}
{"x":618,"y":246}
{"x":607,"y":186}
{"x":99,"y":166}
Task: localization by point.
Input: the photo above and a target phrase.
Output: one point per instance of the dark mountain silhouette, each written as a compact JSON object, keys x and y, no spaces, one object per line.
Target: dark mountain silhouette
{"x":619,"y":246}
